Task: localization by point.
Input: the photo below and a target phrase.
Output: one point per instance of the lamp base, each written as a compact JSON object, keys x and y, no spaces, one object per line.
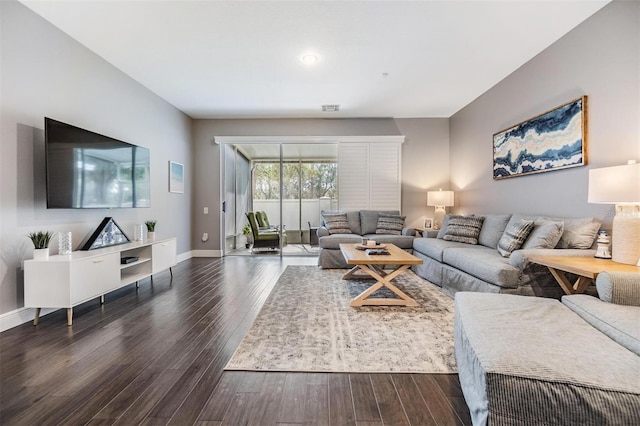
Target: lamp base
{"x":626,"y":235}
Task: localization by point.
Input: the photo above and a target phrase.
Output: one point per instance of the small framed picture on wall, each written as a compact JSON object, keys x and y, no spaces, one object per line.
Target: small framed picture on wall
{"x":176,"y":177}
{"x":428,"y":223}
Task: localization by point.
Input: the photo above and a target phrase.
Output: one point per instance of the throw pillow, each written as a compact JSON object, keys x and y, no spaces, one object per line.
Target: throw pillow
{"x":463,"y":229}
{"x":390,"y":224}
{"x":443,"y":226}
{"x":513,"y":237}
{"x":545,"y":235}
{"x":579,"y":233}
{"x":337,"y":223}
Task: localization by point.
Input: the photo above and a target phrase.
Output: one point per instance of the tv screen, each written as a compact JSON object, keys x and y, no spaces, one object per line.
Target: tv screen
{"x":86,"y":170}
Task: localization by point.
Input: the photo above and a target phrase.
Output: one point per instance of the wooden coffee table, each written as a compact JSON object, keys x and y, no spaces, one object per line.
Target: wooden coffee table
{"x":372,"y":266}
{"x":587,"y":269}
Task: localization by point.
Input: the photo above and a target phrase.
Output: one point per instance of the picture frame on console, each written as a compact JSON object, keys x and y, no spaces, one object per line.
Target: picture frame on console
{"x":556,"y":139}
{"x":428,"y":223}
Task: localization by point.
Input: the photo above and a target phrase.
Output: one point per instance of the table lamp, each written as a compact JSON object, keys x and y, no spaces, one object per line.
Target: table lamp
{"x":620,"y":185}
{"x":440,"y":200}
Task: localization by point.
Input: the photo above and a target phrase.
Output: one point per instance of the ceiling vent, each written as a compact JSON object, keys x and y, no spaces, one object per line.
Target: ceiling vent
{"x":331,"y":108}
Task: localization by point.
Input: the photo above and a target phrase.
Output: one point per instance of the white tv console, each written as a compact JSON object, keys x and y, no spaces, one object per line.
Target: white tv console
{"x":65,"y":281}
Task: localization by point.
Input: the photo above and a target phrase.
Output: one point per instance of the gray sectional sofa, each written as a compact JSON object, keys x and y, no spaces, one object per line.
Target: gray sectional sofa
{"x":457,"y":266}
{"x":529,"y":360}
{"x":362,"y":223}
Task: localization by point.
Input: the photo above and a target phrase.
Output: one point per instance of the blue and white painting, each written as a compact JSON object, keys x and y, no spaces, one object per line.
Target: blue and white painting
{"x":551,"y":141}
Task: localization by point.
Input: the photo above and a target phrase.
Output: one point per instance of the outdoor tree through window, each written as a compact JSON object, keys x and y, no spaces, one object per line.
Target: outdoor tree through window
{"x":314,"y":180}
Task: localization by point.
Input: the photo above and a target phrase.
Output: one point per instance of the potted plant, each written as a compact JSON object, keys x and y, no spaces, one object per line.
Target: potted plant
{"x":151,"y":229}
{"x":246,"y":231}
{"x":40,"y":240}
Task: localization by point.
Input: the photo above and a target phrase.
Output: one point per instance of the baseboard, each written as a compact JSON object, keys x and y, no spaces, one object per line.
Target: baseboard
{"x":184,"y":256}
{"x":20,"y":316}
{"x":206,"y":253}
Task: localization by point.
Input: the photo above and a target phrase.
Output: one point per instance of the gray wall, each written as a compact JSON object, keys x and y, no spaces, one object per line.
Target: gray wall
{"x":46,"y":73}
{"x":425,"y":164}
{"x":425,"y":152}
{"x":599,"y":58}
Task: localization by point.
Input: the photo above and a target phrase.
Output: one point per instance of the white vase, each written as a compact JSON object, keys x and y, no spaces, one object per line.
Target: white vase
{"x":151,"y":236}
{"x":41,"y":254}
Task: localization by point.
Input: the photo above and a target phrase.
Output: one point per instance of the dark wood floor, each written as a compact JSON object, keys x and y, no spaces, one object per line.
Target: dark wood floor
{"x":155,"y":356}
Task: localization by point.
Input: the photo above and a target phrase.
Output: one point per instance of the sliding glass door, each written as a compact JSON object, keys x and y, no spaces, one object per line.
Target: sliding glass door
{"x":290,"y":182}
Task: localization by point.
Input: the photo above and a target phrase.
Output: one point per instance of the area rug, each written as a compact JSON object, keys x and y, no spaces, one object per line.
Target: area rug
{"x":306,"y":324}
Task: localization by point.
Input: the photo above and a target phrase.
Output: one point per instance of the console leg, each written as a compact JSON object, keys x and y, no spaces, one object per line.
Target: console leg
{"x":37,"y":317}
{"x":69,"y":316}
{"x":137,"y":284}
{"x":171,"y":272}
{"x":102,"y":299}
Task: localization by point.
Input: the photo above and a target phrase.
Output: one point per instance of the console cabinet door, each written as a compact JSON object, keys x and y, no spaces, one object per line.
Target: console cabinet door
{"x":163,"y":255}
{"x":94,"y":277}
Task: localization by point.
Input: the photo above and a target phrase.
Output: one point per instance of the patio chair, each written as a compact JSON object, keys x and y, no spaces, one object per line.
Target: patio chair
{"x":263,"y":238}
{"x":264,"y":225}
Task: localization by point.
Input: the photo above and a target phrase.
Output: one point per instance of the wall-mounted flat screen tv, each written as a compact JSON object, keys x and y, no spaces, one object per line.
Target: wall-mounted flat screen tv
{"x":86,"y":170}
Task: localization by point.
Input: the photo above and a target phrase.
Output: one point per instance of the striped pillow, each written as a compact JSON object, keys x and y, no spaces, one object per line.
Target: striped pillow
{"x":337,"y":223}
{"x":514,"y":236}
{"x":463,"y":229}
{"x":390,"y":224}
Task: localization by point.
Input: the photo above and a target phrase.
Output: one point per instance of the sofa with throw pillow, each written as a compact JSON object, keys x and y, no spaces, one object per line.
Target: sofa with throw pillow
{"x":490,"y":253}
{"x":338,"y":227}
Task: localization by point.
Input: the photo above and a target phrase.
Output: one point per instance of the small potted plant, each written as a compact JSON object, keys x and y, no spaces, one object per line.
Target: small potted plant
{"x":40,"y":240}
{"x":151,"y":229}
{"x":246,"y":231}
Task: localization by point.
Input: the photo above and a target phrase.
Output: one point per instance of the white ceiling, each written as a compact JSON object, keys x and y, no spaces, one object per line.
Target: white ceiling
{"x":223,"y":59}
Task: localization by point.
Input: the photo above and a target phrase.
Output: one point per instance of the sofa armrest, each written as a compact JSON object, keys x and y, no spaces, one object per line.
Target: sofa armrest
{"x":430,"y":234}
{"x":520,"y":258}
{"x":322,"y":232}
{"x":409,"y":231}
{"x":620,"y":288}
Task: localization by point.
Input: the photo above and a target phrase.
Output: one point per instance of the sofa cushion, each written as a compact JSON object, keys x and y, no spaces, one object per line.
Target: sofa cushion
{"x":545,"y":235}
{"x":390,"y":224}
{"x":463,"y":229}
{"x":334,"y":241}
{"x":353,"y":218}
{"x":513,"y":237}
{"x":369,"y":219}
{"x":579,"y":233}
{"x":621,"y":323}
{"x":402,"y":241}
{"x":492,"y":229}
{"x":483,"y":263}
{"x":337,"y":223}
{"x":434,"y":247}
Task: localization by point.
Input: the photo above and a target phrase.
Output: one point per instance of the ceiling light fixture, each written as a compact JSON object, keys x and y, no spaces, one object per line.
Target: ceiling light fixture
{"x":309,"y":59}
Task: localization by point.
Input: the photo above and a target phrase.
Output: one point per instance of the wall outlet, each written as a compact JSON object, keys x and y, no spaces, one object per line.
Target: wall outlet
{"x":205,"y":237}
{"x":206,"y":210}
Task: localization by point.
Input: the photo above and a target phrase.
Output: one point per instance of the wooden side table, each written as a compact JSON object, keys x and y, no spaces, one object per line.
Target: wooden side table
{"x":587,"y":269}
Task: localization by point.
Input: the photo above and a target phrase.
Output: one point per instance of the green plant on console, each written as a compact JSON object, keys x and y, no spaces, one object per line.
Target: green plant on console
{"x":151,"y":225}
{"x":41,"y":239}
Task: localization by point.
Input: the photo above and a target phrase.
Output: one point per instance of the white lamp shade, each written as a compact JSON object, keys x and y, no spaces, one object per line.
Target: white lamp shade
{"x":615,"y":185}
{"x":440,"y":198}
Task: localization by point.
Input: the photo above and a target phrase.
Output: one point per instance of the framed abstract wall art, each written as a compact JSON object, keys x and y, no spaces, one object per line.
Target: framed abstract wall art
{"x":176,"y":177}
{"x":554,"y":140}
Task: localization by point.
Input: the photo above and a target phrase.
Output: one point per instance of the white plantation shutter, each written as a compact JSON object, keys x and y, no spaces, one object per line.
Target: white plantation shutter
{"x":369,"y":175}
{"x":384,"y":163}
{"x":353,"y":176}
